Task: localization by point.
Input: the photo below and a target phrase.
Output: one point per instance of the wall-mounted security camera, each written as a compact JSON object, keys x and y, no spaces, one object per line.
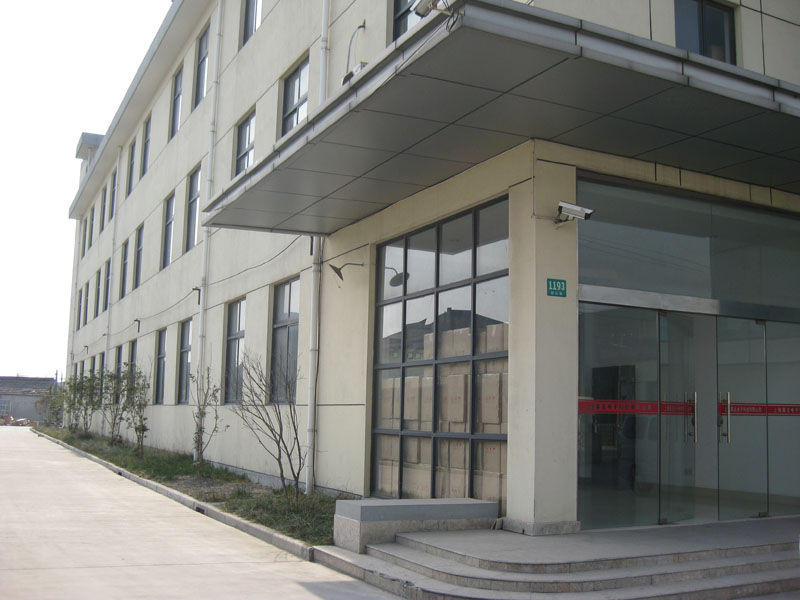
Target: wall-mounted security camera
{"x":424,"y":7}
{"x":568,"y":212}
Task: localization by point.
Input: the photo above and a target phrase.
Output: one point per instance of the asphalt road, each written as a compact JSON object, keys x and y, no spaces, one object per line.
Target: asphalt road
{"x":72,"y":529}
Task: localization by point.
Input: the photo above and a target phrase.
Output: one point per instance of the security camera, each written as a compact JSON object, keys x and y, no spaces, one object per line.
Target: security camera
{"x":424,"y":7}
{"x":567,"y":212}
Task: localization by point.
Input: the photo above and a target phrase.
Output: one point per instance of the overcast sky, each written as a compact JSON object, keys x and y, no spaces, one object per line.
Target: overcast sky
{"x":66,"y":66}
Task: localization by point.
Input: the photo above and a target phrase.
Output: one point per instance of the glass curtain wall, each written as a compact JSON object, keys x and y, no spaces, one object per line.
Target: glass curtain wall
{"x":441,"y":360}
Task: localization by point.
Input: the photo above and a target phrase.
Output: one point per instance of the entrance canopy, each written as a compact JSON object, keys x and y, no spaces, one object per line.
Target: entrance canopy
{"x":457,"y":91}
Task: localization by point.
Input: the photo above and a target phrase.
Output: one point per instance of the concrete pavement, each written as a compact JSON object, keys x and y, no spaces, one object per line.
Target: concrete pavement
{"x":69,"y":528}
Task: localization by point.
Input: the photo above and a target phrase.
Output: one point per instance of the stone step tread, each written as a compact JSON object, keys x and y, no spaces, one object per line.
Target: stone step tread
{"x":408,"y":584}
{"x":548,"y":565}
{"x":417,"y":559}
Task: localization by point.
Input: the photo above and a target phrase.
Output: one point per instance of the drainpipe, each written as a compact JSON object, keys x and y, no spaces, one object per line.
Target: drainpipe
{"x":212,"y":139}
{"x":316,"y":263}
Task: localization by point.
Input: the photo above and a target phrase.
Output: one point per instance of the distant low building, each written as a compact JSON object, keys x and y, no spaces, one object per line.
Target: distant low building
{"x":19,"y":396}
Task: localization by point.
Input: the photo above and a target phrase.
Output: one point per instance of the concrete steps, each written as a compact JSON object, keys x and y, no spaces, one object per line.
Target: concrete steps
{"x":420,"y":571}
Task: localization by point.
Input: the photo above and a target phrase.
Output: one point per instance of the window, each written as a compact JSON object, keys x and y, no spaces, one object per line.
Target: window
{"x":404,"y":17}
{"x":102,"y":221}
{"x":102,"y":372}
{"x":137,"y":259}
{"x":97,"y":278}
{"x":705,"y":27}
{"x":83,"y":238}
{"x":441,"y":360}
{"x":251,"y":18}
{"x":295,"y":97}
{"x":166,"y":245}
{"x":78,"y":310}
{"x":86,"y":303}
{"x":145,"y":146}
{"x":201,"y":68}
{"x":161,"y":365}
{"x":185,"y":363}
{"x":113,"y":200}
{"x":107,"y":286}
{"x":118,"y":373}
{"x":132,"y":357}
{"x":233,"y":352}
{"x":123,"y":272}
{"x":90,"y":233}
{"x":191,"y":210}
{"x":175,"y":107}
{"x":283,"y":374}
{"x":131,"y":166}
{"x":245,"y":150}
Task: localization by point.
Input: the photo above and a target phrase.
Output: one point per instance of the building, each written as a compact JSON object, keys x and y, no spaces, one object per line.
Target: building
{"x":21,"y":397}
{"x":395,"y":186}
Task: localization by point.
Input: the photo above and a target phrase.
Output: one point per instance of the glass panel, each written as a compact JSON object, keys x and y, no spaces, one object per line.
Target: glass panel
{"x":233,"y":372}
{"x":387,"y":392}
{"x":452,"y":468}
{"x":618,"y":416}
{"x":419,"y":328}
{"x":489,"y":472}
{"x":455,"y":250}
{"x":718,"y":32}
{"x":282,"y":303}
{"x":294,"y":299}
{"x":278,"y":374}
{"x":741,"y":373}
{"x":493,"y":238}
{"x":416,"y":467}
{"x":385,"y":461}
{"x":418,"y":399}
{"x":454,"y":321}
{"x":390,"y":270}
{"x":783,"y":381}
{"x":491,"y":319}
{"x":452,"y":382}
{"x":491,"y":396}
{"x":388,"y":328}
{"x":687,"y":25}
{"x":421,"y":261}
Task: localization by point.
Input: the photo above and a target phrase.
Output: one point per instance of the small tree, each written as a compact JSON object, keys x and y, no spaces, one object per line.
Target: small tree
{"x":137,"y":399}
{"x":275,"y":425}
{"x":206,"y":415}
{"x":90,"y":399}
{"x":112,"y":407}
{"x":71,"y":395}
{"x":51,"y":405}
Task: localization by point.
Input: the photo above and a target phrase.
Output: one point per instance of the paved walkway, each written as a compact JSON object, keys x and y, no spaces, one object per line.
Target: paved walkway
{"x":72,"y":529}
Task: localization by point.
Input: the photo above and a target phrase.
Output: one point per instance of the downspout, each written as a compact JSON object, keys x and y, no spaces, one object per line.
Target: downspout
{"x":212,"y":139}
{"x":316,"y":263}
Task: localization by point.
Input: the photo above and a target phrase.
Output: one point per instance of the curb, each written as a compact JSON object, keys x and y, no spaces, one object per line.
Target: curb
{"x":265,"y":534}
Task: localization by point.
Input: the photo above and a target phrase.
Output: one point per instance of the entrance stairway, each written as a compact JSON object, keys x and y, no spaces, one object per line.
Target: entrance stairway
{"x":721,"y":560}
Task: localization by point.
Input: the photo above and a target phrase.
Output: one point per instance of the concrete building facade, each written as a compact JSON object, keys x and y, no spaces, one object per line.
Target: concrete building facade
{"x":380,"y":203}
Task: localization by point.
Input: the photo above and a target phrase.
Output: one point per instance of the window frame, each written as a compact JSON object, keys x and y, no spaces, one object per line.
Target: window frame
{"x":234,"y":339}
{"x":83,"y":237}
{"x":86,"y":303}
{"x":192,"y":209}
{"x":107,"y":286}
{"x":166,"y":237}
{"x":79,"y":306}
{"x":137,"y":257}
{"x":97,"y":278}
{"x":251,"y":19}
{"x":184,"y":361}
{"x":175,"y":103}
{"x":102,"y":221}
{"x":291,"y":109}
{"x":402,"y":14}
{"x":145,"y":158}
{"x":90,"y":232}
{"x":161,"y":366}
{"x":131,"y":167}
{"x":112,"y":204}
{"x":245,"y":143}
{"x":123,"y":271}
{"x":702,"y":32}
{"x":201,"y":67}
{"x":282,"y":326}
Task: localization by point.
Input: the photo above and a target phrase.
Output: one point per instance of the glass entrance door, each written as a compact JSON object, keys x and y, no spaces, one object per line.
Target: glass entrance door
{"x":742,"y":418}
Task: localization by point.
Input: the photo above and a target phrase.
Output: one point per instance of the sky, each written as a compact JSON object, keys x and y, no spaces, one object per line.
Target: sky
{"x":66,"y":66}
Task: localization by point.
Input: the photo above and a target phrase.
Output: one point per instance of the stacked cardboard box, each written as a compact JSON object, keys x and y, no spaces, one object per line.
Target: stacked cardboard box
{"x":453,"y":394}
{"x":389,"y":416}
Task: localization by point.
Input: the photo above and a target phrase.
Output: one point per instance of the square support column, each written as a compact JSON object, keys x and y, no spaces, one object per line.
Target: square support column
{"x":543,"y":356}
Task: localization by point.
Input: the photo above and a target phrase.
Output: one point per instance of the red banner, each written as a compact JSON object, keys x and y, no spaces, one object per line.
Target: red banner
{"x":594,"y":406}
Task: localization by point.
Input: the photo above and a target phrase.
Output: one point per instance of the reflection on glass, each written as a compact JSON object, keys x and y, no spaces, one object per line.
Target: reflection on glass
{"x":416,"y":467}
{"x":493,"y":238}
{"x":419,"y":328}
{"x":452,"y":463}
{"x":491,"y":315}
{"x":421,"y":261}
{"x":386,"y":413}
{"x":418,"y":398}
{"x":489,"y":472}
{"x":452,"y":384}
{"x":783,"y":380}
{"x":386,"y":458}
{"x":390,"y":265}
{"x":491,"y":396}
{"x":618,"y":416}
{"x":388,"y":329}
{"x":455,"y":250}
{"x":453,"y":322}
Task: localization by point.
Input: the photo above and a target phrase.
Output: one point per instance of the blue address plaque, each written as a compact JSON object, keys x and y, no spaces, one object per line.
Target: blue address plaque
{"x":557,"y":287}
